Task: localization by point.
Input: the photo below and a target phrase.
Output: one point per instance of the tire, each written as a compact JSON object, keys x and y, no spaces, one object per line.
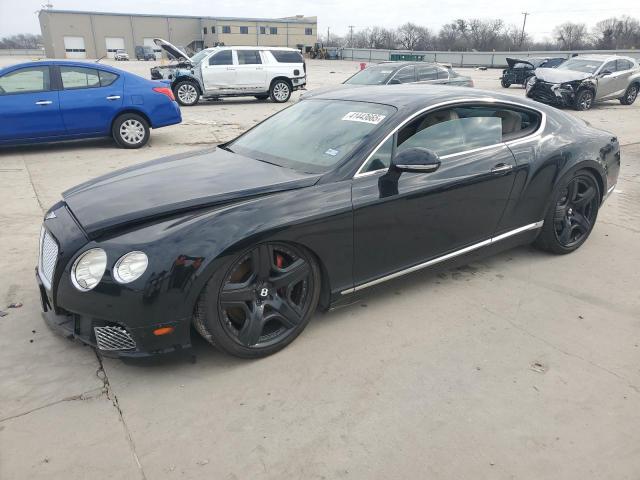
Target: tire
{"x":280,"y":91}
{"x":630,"y":95}
{"x":239,"y":310}
{"x":262,"y":97}
{"x":574,"y":208}
{"x":186,"y":92}
{"x":130,"y":130}
{"x":504,"y":83}
{"x":584,"y":100}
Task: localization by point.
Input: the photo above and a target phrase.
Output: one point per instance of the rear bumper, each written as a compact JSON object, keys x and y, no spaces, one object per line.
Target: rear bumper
{"x":298,"y":83}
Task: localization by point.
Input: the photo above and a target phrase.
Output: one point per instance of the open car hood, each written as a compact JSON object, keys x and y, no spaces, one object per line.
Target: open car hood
{"x":512,"y":62}
{"x":173,"y":51}
{"x":554,"y":75}
{"x":176,"y":184}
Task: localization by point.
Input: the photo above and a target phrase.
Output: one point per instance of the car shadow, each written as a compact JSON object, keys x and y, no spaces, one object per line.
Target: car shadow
{"x":66,"y":145}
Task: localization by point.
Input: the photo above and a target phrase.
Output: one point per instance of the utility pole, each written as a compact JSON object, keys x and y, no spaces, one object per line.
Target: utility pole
{"x":327,"y":36}
{"x":526,"y":14}
{"x":351,"y":36}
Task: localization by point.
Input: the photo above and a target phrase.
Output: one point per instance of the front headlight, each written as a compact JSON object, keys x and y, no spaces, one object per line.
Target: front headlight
{"x":130,"y":267}
{"x":88,"y":269}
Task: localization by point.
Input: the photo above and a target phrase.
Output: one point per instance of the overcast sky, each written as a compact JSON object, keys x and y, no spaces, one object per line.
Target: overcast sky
{"x":17,"y":16}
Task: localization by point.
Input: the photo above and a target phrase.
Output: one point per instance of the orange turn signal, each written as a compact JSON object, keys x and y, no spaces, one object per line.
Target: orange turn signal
{"x":163,"y":331}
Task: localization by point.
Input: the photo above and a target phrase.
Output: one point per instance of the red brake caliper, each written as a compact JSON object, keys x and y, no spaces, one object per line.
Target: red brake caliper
{"x":280,"y":264}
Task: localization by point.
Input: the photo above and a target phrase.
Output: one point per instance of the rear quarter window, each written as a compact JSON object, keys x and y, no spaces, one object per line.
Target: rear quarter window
{"x":282,"y":56}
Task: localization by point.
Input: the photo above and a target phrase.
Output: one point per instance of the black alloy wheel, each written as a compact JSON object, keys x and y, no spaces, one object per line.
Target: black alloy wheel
{"x":576,"y":211}
{"x":504,"y":83}
{"x":263,"y":302}
{"x":572,"y":215}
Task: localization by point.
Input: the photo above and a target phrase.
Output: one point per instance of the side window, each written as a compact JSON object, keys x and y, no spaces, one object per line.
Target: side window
{"x":226,"y":29}
{"x":381,"y":158}
{"x":443,"y":73}
{"x":553,"y":62}
{"x":25,"y":80}
{"x":405,"y":75}
{"x":427,"y":72}
{"x":79,"y":77}
{"x":624,"y":65}
{"x":248,"y":57}
{"x":222,"y":58}
{"x":609,"y":66}
{"x":244,"y":30}
{"x":263,"y":30}
{"x":273,"y":30}
{"x":107,"y":78}
{"x":285,"y":56}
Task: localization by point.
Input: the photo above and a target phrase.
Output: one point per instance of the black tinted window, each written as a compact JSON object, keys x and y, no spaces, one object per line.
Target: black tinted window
{"x":246,"y":57}
{"x":107,"y":78}
{"x":25,"y":80}
{"x":405,"y":75}
{"x":79,"y":77}
{"x":222,"y":58}
{"x":284,"y":56}
{"x":427,"y":72}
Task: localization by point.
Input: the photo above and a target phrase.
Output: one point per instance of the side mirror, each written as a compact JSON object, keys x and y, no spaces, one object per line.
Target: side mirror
{"x":604,"y":73}
{"x":394,"y":81}
{"x":416,"y":159}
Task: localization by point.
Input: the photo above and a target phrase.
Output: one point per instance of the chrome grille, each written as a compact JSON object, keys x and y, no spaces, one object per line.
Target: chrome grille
{"x":48,"y":257}
{"x":114,"y":338}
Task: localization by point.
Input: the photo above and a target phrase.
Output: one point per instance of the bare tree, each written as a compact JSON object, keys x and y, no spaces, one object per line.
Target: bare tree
{"x":409,"y":35}
{"x":22,"y":40}
{"x":571,"y":36}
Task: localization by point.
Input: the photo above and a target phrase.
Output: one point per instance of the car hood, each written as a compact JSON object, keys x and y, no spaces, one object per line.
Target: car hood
{"x":512,"y":62}
{"x":332,"y":88}
{"x":173,"y":51}
{"x":554,"y":75}
{"x":176,"y":184}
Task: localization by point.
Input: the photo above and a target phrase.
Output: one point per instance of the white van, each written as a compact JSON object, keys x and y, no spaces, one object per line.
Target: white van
{"x":223,"y":71}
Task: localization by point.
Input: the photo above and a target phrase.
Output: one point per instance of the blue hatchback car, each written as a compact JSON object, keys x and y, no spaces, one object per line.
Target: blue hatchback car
{"x":49,"y":101}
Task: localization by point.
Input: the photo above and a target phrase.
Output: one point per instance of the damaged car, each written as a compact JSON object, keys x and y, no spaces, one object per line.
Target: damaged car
{"x":585,"y":79}
{"x":262,"y":72}
{"x":520,"y":70}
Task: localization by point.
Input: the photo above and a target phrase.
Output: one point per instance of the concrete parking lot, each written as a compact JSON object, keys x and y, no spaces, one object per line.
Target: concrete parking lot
{"x":523,"y":365}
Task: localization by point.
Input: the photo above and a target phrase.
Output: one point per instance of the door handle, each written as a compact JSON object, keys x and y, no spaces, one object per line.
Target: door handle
{"x":113,"y":97}
{"x":44,"y":102}
{"x":501,"y":168}
{"x":230,"y":68}
{"x":259,"y":68}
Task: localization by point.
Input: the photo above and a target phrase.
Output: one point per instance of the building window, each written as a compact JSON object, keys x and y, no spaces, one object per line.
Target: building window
{"x":213,"y":29}
{"x":244,"y":30}
{"x":204,"y":30}
{"x":263,"y":30}
{"x":226,"y":29}
{"x":273,"y":30}
{"x":308,"y":31}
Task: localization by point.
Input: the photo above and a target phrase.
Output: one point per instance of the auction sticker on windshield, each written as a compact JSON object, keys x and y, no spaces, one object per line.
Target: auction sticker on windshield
{"x":372,"y":118}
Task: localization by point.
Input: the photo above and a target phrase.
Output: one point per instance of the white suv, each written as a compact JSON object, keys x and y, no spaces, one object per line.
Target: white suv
{"x":261,"y":72}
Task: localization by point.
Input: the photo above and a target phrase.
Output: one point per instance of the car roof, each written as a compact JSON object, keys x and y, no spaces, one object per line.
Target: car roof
{"x":249,"y":47}
{"x":418,"y":96}
{"x":71,"y":63}
{"x":602,"y":57}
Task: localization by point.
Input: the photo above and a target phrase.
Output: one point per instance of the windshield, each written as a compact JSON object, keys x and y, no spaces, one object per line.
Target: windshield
{"x":197,"y":58}
{"x":579,"y":65}
{"x":372,"y":76}
{"x":313,"y":135}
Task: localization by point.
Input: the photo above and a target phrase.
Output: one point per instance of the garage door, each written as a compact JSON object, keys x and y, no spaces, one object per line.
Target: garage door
{"x":148,"y":42}
{"x":74,"y":47}
{"x":113,"y":44}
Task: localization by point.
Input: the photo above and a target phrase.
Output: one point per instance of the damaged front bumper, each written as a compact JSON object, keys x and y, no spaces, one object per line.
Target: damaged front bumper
{"x":561,"y":95}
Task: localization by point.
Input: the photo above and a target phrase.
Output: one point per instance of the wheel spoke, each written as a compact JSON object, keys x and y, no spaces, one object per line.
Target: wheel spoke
{"x":250,"y":332}
{"x":237,"y":292}
{"x":291,"y":275}
{"x":565,"y":234}
{"x":584,"y":198}
{"x":288,"y":315}
{"x":560,"y":214}
{"x":582,"y":222}
{"x":262,"y":260}
{"x":572,"y":191}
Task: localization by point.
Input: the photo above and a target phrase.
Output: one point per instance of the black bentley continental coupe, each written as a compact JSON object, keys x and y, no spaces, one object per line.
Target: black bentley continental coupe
{"x":330,"y":196}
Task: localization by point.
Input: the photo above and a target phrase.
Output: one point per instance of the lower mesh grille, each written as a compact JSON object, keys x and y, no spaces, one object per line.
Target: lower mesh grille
{"x":114,"y":338}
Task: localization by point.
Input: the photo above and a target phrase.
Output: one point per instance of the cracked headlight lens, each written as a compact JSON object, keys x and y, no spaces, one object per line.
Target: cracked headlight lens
{"x":88,"y":269}
{"x":130,"y":267}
